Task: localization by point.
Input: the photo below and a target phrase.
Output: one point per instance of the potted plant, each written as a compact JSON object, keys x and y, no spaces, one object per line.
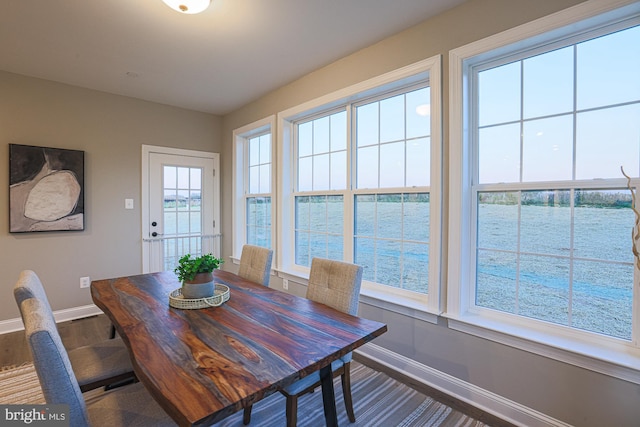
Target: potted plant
{"x":195,"y":274}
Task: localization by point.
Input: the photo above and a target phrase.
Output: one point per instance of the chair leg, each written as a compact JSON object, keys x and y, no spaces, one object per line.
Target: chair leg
{"x":292,"y":411}
{"x":346,"y":392}
{"x":112,"y":332}
{"x":246,"y":417}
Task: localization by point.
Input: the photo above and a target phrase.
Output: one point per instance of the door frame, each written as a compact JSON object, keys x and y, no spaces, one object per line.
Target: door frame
{"x":147,"y":150}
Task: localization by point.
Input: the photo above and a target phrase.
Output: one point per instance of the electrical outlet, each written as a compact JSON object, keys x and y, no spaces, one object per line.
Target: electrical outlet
{"x":285,"y":284}
{"x":85,"y":282}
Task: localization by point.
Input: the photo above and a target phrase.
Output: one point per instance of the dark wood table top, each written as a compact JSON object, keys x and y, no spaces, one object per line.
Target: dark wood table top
{"x":203,"y":365}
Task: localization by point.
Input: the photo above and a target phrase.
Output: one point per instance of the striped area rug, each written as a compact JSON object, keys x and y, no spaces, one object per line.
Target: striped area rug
{"x":378,"y":401}
{"x":20,"y":385}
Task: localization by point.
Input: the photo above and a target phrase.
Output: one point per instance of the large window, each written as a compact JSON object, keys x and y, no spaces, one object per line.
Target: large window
{"x":392,"y":149}
{"x":363,"y":181}
{"x":542,"y":216}
{"x":322,"y":167}
{"x":253,"y":185}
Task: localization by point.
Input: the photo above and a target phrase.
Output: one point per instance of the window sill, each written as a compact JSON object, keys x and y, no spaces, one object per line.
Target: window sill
{"x":615,"y":359}
{"x":411,"y":307}
{"x":398,"y":304}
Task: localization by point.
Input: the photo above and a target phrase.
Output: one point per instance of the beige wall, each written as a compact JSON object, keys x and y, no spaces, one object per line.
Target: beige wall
{"x":110,"y":130}
{"x":564,"y":392}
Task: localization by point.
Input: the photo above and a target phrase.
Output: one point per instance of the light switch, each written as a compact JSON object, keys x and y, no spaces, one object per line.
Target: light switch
{"x":128,"y":203}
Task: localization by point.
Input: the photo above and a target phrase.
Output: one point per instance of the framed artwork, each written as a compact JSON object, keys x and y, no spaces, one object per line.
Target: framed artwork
{"x":46,"y":189}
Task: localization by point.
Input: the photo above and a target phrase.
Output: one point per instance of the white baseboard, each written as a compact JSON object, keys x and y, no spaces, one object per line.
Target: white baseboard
{"x":13,"y":325}
{"x":487,"y":401}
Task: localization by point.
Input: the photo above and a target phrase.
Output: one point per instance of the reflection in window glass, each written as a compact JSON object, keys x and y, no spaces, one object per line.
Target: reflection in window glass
{"x":418,"y":113}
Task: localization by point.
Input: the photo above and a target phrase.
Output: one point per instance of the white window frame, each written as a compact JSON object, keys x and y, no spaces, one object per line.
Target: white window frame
{"x":609,"y":356}
{"x":417,"y":305}
{"x":241,"y":137}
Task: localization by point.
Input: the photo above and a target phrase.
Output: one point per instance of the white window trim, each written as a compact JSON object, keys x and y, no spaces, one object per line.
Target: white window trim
{"x":147,"y":150}
{"x":616,"y":358}
{"x":240,"y":178}
{"x":419,"y":306}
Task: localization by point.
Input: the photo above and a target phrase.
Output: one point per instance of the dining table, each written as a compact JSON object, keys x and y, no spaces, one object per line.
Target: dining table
{"x":202,"y":365}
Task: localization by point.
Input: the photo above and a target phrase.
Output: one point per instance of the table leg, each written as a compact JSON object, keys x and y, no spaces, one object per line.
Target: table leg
{"x":328,"y":397}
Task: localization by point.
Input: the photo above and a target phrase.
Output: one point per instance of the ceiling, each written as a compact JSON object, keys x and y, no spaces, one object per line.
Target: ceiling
{"x":215,"y":62}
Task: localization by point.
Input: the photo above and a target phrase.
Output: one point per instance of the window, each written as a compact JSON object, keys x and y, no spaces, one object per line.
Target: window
{"x":258,"y":194}
{"x":253,"y":185}
{"x":541,"y":215}
{"x":392,"y":147}
{"x":361,"y":180}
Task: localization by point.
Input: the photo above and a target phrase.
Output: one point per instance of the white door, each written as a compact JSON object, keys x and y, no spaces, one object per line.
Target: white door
{"x":180,"y":207}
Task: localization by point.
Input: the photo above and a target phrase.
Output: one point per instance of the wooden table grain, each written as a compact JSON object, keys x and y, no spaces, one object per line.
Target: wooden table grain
{"x":203,"y":365}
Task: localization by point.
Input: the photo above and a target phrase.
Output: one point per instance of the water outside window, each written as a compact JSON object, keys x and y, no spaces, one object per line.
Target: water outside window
{"x":182,"y":213}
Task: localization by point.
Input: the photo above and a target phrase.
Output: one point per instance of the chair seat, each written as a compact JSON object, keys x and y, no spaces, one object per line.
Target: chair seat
{"x":95,"y":365}
{"x":304,"y":383}
{"x":127,"y":406}
{"x":101,"y":363}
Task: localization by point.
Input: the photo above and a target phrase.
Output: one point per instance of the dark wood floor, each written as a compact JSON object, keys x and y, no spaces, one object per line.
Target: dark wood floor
{"x":76,"y":333}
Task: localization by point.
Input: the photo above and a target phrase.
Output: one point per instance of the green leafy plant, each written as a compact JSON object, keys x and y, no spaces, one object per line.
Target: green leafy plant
{"x":188,"y":267}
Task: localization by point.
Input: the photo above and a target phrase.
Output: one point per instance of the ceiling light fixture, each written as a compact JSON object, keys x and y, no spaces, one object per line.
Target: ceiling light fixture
{"x":188,"y":6}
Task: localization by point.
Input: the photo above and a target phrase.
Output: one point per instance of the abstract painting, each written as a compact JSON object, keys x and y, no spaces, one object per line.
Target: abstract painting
{"x":46,"y":189}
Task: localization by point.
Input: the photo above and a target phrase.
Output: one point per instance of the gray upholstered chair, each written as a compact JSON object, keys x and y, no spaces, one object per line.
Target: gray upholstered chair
{"x":336,"y":284}
{"x":255,"y":264}
{"x":101,"y":364}
{"x":125,"y":406}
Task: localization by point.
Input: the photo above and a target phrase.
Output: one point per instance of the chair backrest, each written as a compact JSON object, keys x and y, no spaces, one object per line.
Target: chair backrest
{"x":255,"y":264}
{"x":30,"y":286}
{"x":336,"y":284}
{"x":58,"y":382}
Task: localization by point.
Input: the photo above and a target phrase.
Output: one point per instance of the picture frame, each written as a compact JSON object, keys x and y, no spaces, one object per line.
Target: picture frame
{"x":46,"y":189}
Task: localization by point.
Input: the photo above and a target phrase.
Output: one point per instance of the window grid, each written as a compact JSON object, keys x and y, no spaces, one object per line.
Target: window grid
{"x":322,"y":153}
{"x":577,"y":296}
{"x":406,"y":267}
{"x":319,"y":228}
{"x":181,"y":212}
{"x":258,"y":190}
{"x":313,"y":236}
